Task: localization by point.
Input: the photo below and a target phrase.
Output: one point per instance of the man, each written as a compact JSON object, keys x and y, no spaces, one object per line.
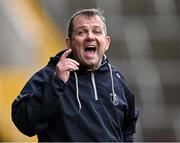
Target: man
{"x":78,"y":96}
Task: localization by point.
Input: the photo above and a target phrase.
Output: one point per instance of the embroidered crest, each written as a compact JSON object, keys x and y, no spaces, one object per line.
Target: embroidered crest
{"x":114,"y":99}
{"x":118,"y":75}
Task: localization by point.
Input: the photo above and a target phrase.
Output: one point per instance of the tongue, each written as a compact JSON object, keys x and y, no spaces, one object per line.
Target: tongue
{"x":89,"y":53}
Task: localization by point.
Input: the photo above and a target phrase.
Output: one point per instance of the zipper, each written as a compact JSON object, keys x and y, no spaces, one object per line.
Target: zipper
{"x":94,"y":86}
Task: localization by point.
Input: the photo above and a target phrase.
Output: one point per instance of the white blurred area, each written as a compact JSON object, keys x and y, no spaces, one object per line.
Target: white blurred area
{"x":145,"y":47}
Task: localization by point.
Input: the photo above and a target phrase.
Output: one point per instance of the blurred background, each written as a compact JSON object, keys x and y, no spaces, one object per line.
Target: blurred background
{"x":145,"y":47}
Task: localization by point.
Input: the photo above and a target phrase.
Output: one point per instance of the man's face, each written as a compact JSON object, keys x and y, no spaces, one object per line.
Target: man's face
{"x":89,"y":41}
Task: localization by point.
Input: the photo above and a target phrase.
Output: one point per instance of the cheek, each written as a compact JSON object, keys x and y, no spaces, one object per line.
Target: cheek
{"x":78,"y":40}
{"x":77,"y":50}
{"x":104,"y":46}
{"x":77,"y":45}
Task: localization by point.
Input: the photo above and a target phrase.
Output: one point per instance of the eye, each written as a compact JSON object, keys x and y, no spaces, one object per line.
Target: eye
{"x":97,"y":31}
{"x":80,"y":32}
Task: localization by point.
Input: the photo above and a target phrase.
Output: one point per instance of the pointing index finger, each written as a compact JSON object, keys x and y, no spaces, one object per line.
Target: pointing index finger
{"x":65,"y":54}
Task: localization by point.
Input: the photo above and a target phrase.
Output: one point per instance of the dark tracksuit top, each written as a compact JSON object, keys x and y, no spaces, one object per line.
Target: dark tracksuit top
{"x":91,"y":106}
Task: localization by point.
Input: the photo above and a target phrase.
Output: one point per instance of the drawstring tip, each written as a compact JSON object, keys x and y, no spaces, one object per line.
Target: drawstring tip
{"x":79,"y":109}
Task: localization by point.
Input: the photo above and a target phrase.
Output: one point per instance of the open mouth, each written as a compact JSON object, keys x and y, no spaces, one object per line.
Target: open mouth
{"x":90,"y":49}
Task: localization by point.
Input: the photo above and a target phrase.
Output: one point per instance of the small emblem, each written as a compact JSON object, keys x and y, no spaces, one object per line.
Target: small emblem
{"x":114,"y":99}
{"x":118,"y":75}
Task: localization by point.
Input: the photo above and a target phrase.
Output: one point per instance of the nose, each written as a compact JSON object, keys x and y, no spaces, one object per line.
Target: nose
{"x":90,"y":36}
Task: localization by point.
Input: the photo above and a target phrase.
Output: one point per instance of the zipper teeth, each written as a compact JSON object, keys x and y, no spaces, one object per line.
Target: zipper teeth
{"x":94,"y":86}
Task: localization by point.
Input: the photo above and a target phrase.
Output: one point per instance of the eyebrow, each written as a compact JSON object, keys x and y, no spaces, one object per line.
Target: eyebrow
{"x":83,"y":27}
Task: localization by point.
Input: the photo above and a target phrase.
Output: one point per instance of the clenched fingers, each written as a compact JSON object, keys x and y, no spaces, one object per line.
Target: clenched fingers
{"x":65,"y":66}
{"x":68,"y":65}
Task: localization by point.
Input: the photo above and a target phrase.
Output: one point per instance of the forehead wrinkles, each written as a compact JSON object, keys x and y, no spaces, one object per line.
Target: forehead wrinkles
{"x":83,"y":20}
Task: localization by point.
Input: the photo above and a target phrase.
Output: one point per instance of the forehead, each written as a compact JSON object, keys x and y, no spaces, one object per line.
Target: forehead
{"x":83,"y":20}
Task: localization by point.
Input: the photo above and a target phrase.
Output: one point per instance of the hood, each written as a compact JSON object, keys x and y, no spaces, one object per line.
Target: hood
{"x":54,"y":60}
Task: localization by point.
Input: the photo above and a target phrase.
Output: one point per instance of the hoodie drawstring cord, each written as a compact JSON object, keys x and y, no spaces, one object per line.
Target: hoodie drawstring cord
{"x":113,"y":94}
{"x":77,"y":91}
{"x":112,"y":81}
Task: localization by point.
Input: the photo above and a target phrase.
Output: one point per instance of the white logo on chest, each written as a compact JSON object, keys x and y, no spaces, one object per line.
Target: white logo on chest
{"x":114,"y":99}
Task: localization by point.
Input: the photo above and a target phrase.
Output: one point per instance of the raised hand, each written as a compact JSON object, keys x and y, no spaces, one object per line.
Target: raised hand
{"x":65,"y":66}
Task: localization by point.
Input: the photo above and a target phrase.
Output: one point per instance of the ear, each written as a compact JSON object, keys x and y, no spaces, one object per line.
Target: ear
{"x":108,"y":41}
{"x":68,"y":42}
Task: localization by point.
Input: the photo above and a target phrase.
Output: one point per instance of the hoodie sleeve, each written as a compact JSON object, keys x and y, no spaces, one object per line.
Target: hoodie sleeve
{"x":131,"y":116}
{"x":33,"y":108}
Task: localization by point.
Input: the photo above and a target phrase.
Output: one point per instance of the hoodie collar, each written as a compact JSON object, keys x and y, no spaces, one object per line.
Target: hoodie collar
{"x":54,"y":60}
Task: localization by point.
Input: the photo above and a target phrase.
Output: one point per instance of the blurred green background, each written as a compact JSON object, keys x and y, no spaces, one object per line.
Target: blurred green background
{"x":145,"y":47}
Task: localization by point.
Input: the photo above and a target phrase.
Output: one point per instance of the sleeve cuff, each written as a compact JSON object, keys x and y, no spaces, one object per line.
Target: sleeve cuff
{"x":57,"y":83}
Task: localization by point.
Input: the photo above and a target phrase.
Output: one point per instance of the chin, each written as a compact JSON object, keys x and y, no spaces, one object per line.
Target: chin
{"x":92,"y":66}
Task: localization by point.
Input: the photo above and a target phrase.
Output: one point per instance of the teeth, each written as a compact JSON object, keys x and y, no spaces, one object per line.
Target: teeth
{"x":90,"y":46}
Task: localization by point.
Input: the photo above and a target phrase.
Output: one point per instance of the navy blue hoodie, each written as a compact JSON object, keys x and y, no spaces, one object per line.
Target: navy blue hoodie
{"x":91,"y":106}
